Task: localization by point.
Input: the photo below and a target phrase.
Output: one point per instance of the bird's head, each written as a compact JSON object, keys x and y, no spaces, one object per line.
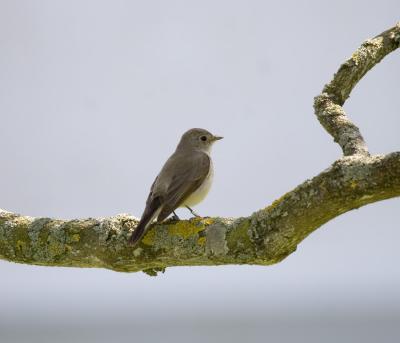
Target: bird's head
{"x":198,"y":139}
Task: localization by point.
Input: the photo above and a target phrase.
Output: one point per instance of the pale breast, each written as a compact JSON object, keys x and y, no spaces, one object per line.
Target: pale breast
{"x":200,"y":193}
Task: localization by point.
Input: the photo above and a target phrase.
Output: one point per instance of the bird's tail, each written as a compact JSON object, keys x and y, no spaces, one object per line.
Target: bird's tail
{"x":150,"y":213}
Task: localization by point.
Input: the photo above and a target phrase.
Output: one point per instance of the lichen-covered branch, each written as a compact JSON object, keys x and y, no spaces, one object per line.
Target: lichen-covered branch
{"x":265,"y":237}
{"x":328,"y":105}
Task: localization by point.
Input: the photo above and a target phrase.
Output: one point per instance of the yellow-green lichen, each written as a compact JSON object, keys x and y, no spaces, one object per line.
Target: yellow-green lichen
{"x":55,"y":248}
{"x":353,"y":184}
{"x":74,"y":238}
{"x":238,"y":238}
{"x":20,"y":245}
{"x":186,"y":229}
{"x":276,"y":203}
{"x":148,"y":239}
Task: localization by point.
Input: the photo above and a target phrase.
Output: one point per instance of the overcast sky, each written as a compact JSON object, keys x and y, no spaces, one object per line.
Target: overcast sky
{"x":94,"y":96}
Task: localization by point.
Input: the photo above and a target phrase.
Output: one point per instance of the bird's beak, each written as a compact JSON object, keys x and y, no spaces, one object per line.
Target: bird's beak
{"x":217,"y":138}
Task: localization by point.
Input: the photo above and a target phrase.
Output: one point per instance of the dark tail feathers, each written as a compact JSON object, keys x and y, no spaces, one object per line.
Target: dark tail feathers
{"x":147,"y":217}
{"x":138,"y":233}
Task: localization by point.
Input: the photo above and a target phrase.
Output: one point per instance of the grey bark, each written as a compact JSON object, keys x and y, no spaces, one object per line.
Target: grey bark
{"x":265,"y":237}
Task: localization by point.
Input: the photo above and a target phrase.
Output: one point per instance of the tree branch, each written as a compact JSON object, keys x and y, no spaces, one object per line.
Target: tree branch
{"x":328,"y":105}
{"x":265,"y":237}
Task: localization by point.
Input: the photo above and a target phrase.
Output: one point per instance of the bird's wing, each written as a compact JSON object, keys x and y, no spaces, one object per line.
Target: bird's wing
{"x":193,"y":171}
{"x":151,"y":193}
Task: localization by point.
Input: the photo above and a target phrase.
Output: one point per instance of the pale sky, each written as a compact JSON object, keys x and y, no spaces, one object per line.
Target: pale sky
{"x":94,"y":96}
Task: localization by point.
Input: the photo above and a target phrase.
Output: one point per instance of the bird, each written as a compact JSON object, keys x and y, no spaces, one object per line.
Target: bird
{"x":184,"y":180}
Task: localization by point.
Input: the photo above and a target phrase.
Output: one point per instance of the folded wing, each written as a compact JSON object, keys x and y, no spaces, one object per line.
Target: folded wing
{"x":184,"y":182}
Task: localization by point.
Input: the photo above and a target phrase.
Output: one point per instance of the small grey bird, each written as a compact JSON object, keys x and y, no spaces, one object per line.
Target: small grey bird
{"x":183,"y":181}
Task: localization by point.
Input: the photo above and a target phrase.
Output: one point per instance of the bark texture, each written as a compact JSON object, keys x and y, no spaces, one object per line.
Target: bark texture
{"x":265,"y":237}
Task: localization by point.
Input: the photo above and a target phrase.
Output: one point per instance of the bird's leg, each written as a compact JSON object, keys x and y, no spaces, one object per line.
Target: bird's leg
{"x":192,"y":212}
{"x":175,"y":216}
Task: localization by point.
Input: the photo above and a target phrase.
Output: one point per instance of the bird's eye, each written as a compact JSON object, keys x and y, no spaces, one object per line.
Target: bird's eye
{"x":203,"y":138}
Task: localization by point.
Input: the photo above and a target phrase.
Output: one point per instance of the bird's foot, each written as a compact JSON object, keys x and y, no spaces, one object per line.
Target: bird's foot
{"x":175,"y":216}
{"x":193,"y":212}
